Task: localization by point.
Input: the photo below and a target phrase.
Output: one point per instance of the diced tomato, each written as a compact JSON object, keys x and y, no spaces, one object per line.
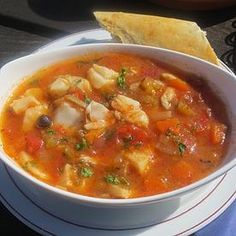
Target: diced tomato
{"x":33,"y":142}
{"x":78,"y":93}
{"x":201,"y":124}
{"x":137,"y":135}
{"x":179,"y":84}
{"x":164,"y":125}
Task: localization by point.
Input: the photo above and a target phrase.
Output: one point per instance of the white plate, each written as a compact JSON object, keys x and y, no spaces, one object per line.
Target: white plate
{"x":189,"y":218}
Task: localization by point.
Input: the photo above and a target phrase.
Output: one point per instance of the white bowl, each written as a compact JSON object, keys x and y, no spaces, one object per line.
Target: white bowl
{"x":117,"y":213}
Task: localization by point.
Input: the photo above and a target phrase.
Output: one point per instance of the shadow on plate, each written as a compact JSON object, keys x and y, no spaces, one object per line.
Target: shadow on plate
{"x":74,"y":10}
{"x":229,"y":57}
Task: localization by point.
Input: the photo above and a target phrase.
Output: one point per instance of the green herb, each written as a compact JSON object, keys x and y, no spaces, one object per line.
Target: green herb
{"x":127,"y":140}
{"x":87,"y":100}
{"x":121,"y":78}
{"x":108,"y":96}
{"x":112,"y":179}
{"x":34,"y":82}
{"x":63,"y":140}
{"x":82,"y":145}
{"x":205,"y":161}
{"x":86,"y":172}
{"x":109,"y":134}
{"x":173,"y":136}
{"x":138,"y":144}
{"x":181,"y":148}
{"x":78,"y":81}
{"x":124,"y":181}
{"x":50,"y":131}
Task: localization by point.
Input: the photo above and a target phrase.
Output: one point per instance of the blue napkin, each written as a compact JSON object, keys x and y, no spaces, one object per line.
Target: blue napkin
{"x":224,"y":225}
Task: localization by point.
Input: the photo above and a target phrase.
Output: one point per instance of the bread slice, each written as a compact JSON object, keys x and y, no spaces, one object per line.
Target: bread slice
{"x":179,"y":35}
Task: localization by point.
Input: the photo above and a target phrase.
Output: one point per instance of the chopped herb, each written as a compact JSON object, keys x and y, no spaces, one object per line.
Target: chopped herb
{"x":78,"y":81}
{"x":89,"y":62}
{"x":63,"y":140}
{"x":60,"y":170}
{"x":127,"y":140}
{"x":83,"y":63}
{"x":82,"y":145}
{"x":86,"y":172}
{"x":205,"y":161}
{"x":109,"y":134}
{"x":108,"y":96}
{"x":121,"y":78}
{"x":68,"y":153}
{"x":138,"y":144}
{"x":181,"y":148}
{"x":51,"y":132}
{"x":34,"y":82}
{"x":87,"y":100}
{"x":112,"y":179}
{"x":173,"y":136}
{"x":124,"y":181}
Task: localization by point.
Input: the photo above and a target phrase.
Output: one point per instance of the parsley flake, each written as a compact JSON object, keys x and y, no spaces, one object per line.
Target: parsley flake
{"x":51,"y":132}
{"x":82,"y":145}
{"x":121,"y":78}
{"x":87,"y":100}
{"x":181,"y":148}
{"x":112,"y":179}
{"x":86,"y":172}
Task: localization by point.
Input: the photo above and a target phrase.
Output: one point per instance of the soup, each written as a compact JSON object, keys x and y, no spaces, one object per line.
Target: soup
{"x":113,"y":125}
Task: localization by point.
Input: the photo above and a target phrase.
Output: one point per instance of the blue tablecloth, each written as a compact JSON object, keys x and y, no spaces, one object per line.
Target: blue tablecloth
{"x":224,"y":225}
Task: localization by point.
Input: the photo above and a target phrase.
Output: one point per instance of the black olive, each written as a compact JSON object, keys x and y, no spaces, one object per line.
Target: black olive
{"x":44,"y":121}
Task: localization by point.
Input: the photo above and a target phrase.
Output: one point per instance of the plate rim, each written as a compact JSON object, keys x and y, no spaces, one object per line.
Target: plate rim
{"x":191,"y":230}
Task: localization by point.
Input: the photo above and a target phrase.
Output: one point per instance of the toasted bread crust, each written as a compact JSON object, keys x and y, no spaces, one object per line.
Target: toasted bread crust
{"x":179,"y":35}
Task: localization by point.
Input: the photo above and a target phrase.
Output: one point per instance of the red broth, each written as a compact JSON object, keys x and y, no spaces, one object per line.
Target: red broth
{"x":113,"y":125}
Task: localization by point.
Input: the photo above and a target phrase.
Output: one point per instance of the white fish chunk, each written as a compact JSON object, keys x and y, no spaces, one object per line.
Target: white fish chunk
{"x":68,"y":176}
{"x":139,"y":158}
{"x":79,"y":82}
{"x":98,"y":116}
{"x":32,"y":114}
{"x":130,"y":110}
{"x":67,"y":116}
{"x":28,"y":163}
{"x":168,"y":97}
{"x":59,"y":87}
{"x":101,"y":75}
{"x":22,"y":104}
{"x":119,"y":191}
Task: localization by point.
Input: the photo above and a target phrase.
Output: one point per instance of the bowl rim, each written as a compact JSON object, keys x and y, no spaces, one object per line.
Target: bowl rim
{"x":106,"y":201}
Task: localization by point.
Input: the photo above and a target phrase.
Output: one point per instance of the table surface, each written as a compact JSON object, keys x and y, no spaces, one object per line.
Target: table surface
{"x":28,"y":24}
